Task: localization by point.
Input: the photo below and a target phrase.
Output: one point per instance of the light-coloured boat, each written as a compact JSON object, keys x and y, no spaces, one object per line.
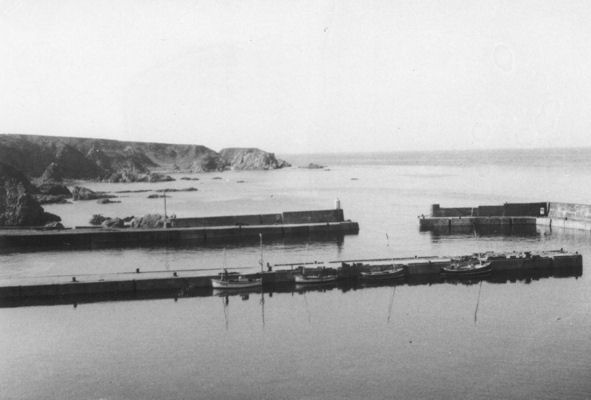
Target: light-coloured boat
{"x":314,"y":278}
{"x":232,"y":281}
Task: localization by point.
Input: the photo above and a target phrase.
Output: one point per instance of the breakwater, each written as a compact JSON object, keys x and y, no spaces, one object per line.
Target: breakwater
{"x":193,"y":231}
{"x":286,"y":217}
{"x":419,"y":270}
{"x":521,"y":218}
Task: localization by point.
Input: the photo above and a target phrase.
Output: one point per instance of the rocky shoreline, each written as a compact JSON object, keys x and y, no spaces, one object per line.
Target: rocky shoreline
{"x":33,"y":169}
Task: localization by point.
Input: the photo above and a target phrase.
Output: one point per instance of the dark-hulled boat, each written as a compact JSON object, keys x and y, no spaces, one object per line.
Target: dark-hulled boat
{"x":468,"y":269}
{"x":380,"y":273}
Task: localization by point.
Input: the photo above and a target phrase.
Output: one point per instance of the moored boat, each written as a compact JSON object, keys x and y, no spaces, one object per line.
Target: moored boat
{"x":392,"y":272}
{"x":233,"y":280}
{"x":228,"y":280}
{"x":314,"y":278}
{"x":467,"y":269}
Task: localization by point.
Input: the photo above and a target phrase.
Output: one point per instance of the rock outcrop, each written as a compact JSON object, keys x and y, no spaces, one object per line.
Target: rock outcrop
{"x":82,"y":193}
{"x":113,"y":223}
{"x":148,"y":221}
{"x":18,"y":206}
{"x":51,"y":190}
{"x":52,"y":174}
{"x":130,"y":176}
{"x":98,"y":219}
{"x":314,"y":166}
{"x":106,"y":200}
{"x":51,"y":199}
{"x":154,"y":177}
{"x":251,"y":159}
{"x":108,"y":222}
{"x":54,"y":189}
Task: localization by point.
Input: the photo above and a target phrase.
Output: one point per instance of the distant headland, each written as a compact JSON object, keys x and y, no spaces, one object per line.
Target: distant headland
{"x":118,"y":161}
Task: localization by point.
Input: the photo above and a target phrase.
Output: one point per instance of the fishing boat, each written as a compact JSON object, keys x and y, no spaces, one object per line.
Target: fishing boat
{"x":233,"y":280}
{"x":314,"y":278}
{"x":319,"y":274}
{"x":229,"y":280}
{"x":382,"y":273}
{"x":467,"y":269}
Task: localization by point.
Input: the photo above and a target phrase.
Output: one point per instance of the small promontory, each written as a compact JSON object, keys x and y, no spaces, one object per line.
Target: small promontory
{"x":18,"y":206}
{"x":251,"y":159}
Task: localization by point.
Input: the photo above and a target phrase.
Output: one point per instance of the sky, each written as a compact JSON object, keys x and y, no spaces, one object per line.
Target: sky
{"x":300,"y":76}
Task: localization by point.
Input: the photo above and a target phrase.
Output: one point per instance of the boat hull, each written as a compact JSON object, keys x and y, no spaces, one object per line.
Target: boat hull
{"x":236,"y":284}
{"x":302,"y":279}
{"x":382,"y":275}
{"x":469,"y":271}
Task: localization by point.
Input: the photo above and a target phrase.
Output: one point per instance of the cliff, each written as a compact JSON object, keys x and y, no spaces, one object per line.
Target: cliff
{"x":251,"y":158}
{"x":18,"y":206}
{"x":81,"y":158}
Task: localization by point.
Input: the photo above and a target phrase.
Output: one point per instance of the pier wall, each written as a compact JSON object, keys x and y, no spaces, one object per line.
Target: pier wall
{"x":260,"y":219}
{"x":580,"y":212}
{"x":563,"y":223}
{"x":100,"y":238}
{"x":567,"y":216}
{"x":510,"y":217}
{"x":482,"y":224}
{"x":504,"y":210}
{"x":196,"y":231}
{"x":289,"y":217}
{"x":188,"y":282}
{"x":306,"y":217}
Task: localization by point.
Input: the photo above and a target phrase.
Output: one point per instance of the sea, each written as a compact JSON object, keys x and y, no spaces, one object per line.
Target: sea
{"x":516,"y":339}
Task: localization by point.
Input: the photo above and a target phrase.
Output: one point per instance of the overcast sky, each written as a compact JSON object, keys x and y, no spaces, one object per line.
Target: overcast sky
{"x":300,"y":76}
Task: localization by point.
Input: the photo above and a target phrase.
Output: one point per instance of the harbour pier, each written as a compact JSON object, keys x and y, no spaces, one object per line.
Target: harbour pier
{"x":187,"y":231}
{"x":174,"y":283}
{"x":521,"y":218}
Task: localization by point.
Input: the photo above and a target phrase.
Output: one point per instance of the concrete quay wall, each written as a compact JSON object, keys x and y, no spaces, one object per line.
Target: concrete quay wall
{"x":287,"y":217}
{"x":570,"y":211}
{"x":471,"y":223}
{"x":513,"y":262}
{"x":505,"y":210}
{"x":424,"y":269}
{"x":561,"y":223}
{"x":507,"y":217}
{"x":90,"y":288}
{"x":90,"y":238}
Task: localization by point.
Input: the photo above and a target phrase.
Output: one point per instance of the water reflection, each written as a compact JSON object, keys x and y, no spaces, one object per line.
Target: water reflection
{"x":236,"y":242}
{"x":464,"y":232}
{"x":242,"y":295}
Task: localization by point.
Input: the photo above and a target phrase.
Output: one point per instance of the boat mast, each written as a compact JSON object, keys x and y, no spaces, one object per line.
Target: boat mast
{"x":261,"y":243}
{"x":388,"y":245}
{"x":165,"y":217}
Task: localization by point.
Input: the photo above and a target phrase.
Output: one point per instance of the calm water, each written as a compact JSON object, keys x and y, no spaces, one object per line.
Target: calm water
{"x":526,"y":340}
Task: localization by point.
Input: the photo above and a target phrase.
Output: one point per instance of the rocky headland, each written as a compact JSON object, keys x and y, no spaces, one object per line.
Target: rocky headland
{"x":251,"y":159}
{"x":18,"y":205}
{"x":59,"y":158}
